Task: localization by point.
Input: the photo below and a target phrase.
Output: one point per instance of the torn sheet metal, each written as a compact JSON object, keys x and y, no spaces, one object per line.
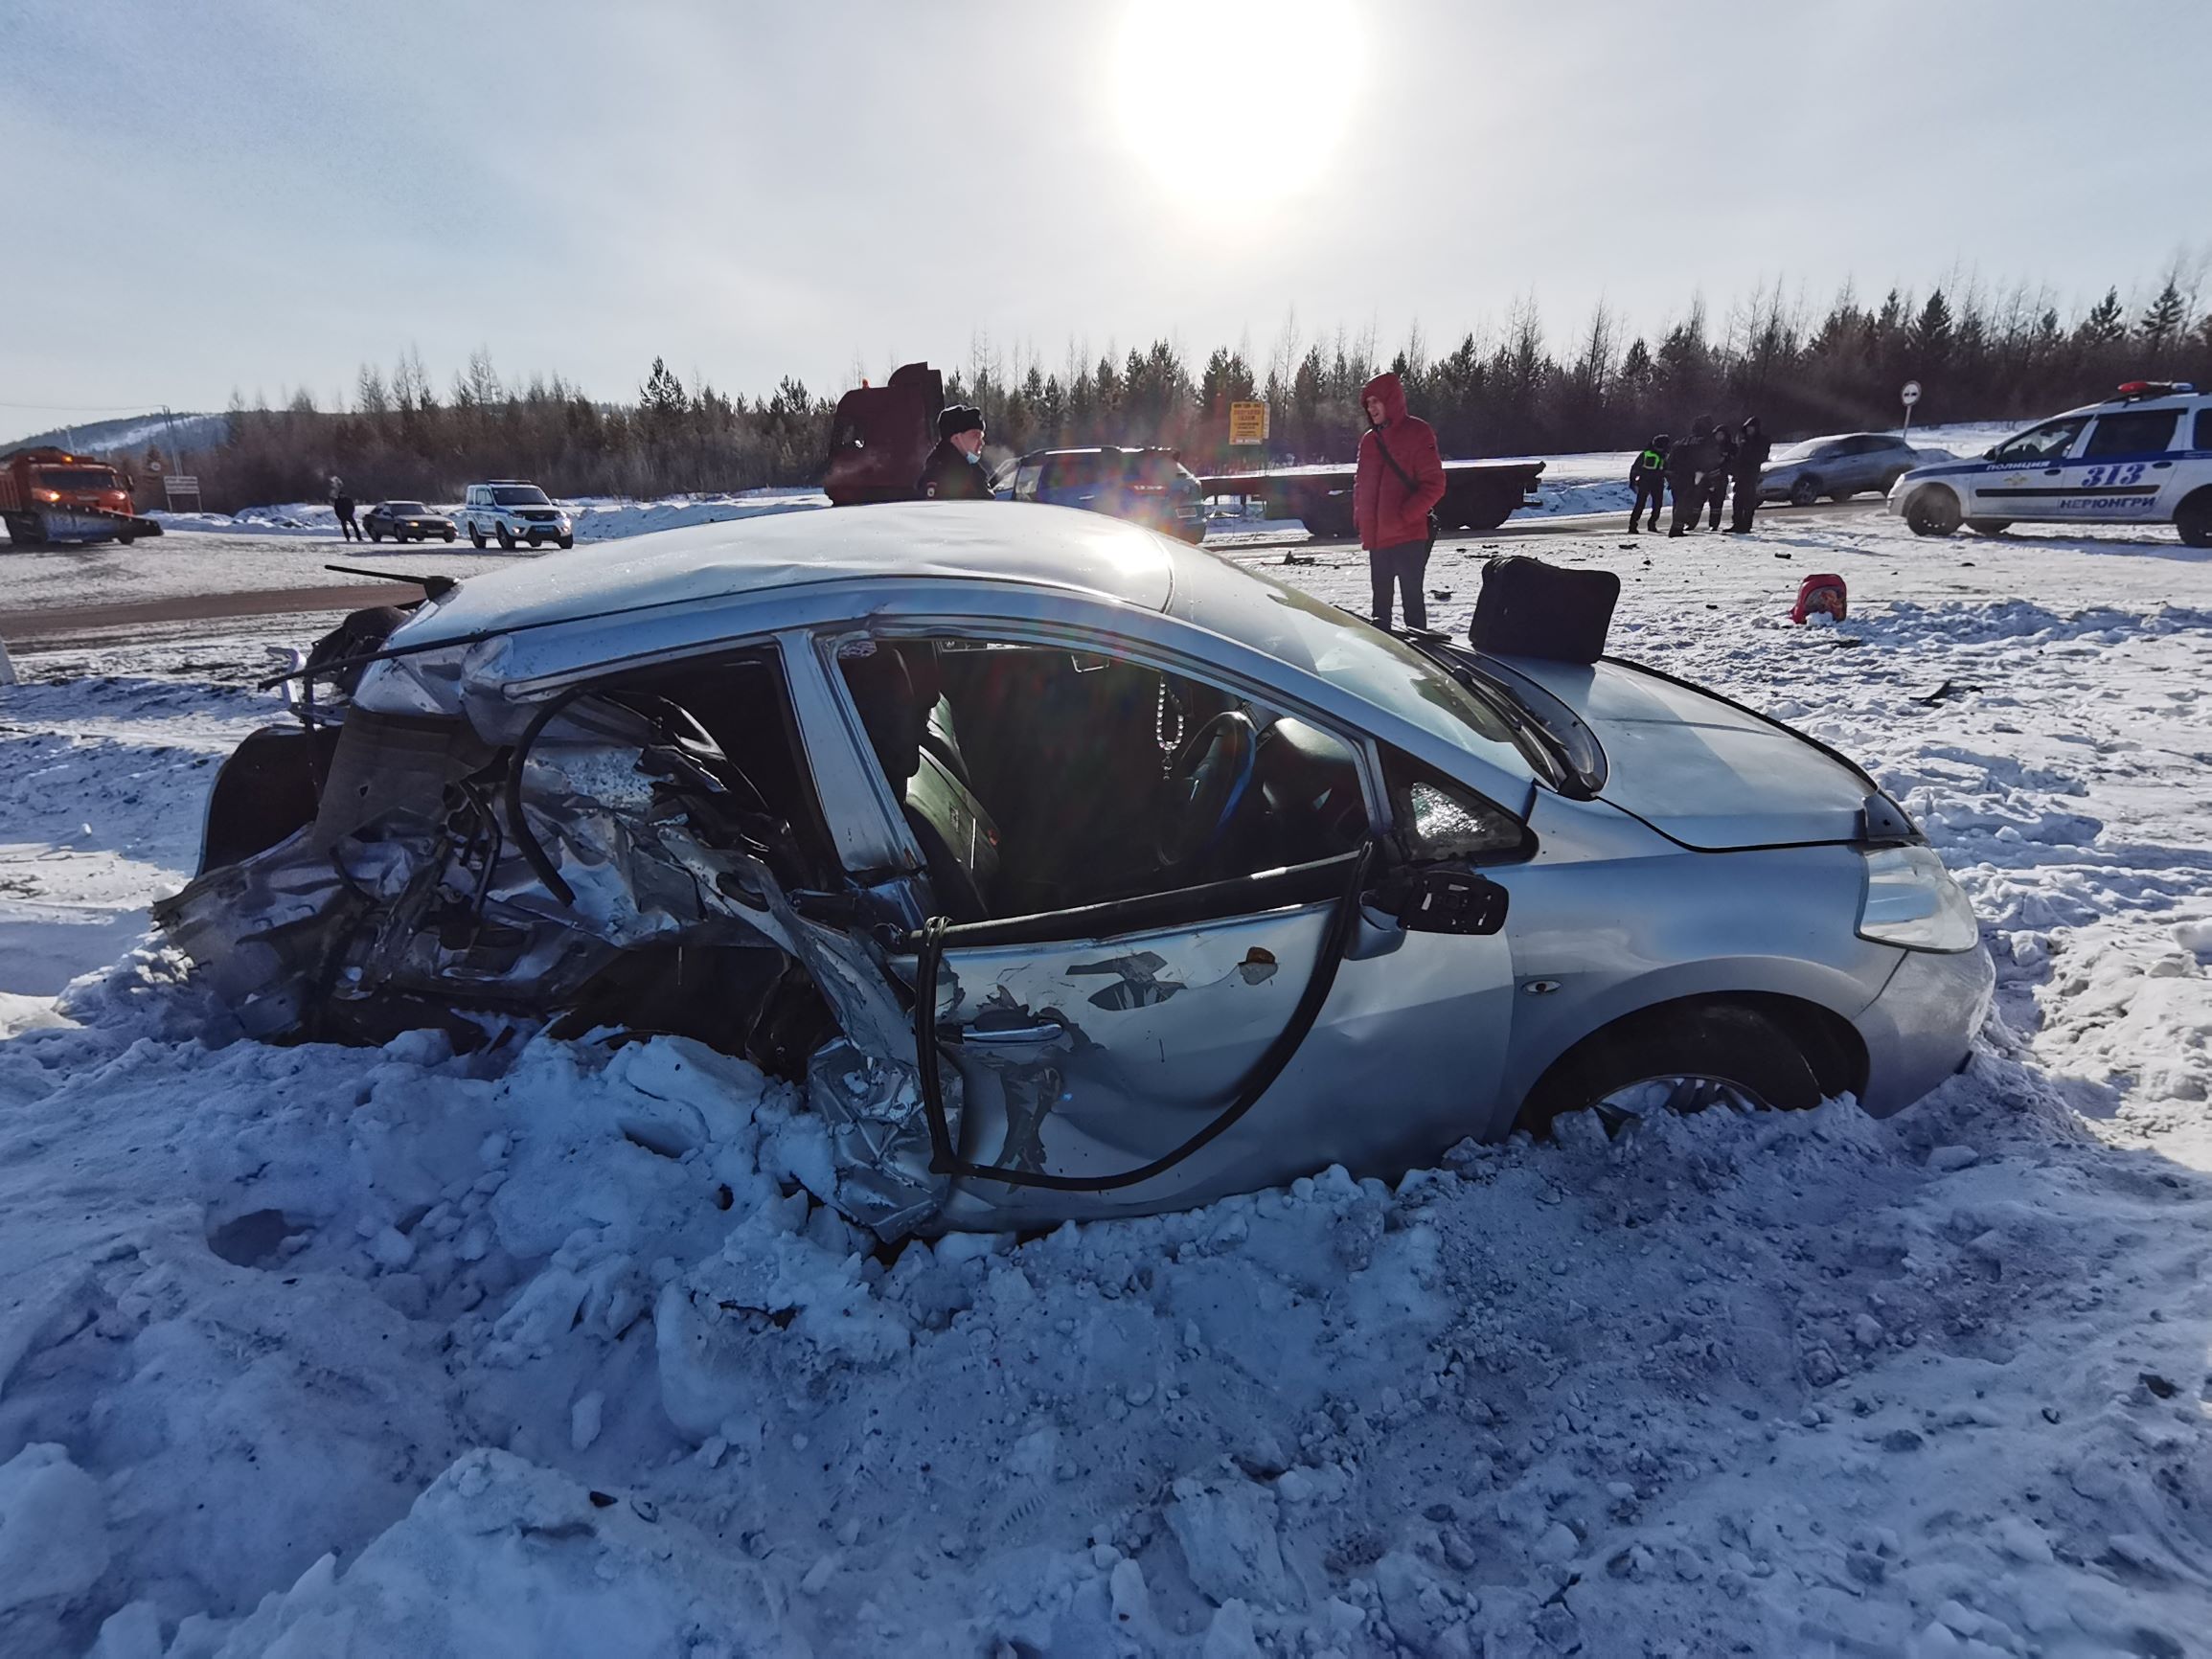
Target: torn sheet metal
{"x":409,"y":901}
{"x":880,"y":1133}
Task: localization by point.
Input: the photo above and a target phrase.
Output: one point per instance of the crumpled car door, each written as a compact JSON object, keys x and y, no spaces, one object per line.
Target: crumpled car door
{"x":1082,"y":1058}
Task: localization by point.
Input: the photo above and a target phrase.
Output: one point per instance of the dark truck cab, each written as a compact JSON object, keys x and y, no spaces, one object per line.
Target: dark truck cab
{"x":880,"y":436}
{"x":1478,"y":495}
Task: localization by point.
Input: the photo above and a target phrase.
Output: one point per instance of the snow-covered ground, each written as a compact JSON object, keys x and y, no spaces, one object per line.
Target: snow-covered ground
{"x":317,"y":1350}
{"x":1599,"y":481}
{"x":597,"y":517}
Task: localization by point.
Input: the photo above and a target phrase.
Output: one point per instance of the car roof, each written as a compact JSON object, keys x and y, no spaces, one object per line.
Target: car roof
{"x":986,"y":542}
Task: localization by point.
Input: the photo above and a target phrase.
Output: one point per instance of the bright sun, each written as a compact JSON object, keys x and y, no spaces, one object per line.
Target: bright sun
{"x":1236,"y":101}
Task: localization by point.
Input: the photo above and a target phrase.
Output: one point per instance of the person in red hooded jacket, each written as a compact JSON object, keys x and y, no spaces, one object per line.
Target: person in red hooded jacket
{"x":1399,"y":481}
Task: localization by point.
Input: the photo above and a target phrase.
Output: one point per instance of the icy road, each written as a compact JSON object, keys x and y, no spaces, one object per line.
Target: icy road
{"x":334,"y":1352}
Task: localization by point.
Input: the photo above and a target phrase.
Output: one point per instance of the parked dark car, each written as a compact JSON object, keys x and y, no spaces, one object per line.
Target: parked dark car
{"x":405,"y":521}
{"x":1150,"y":486}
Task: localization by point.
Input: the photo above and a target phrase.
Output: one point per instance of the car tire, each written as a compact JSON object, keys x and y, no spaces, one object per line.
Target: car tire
{"x":375,"y":534}
{"x":1989,"y":526}
{"x":2192,"y":518}
{"x":1805,"y":492}
{"x":1721,"y":1053}
{"x":567,"y":541}
{"x":1932,"y":511}
{"x":1889,"y":483}
{"x":448,"y":537}
{"x":476,"y":537}
{"x":506,"y":538}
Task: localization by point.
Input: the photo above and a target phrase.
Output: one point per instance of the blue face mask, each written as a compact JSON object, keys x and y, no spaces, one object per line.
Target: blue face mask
{"x":975,"y":459}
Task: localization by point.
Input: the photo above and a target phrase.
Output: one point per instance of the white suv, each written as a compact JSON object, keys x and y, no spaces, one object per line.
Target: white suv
{"x":2143,"y":457}
{"x":512,"y":510}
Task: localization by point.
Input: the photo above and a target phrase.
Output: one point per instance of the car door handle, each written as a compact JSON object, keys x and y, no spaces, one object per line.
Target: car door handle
{"x":2155,"y":464}
{"x":1043,"y":1032}
{"x":2051,"y":471}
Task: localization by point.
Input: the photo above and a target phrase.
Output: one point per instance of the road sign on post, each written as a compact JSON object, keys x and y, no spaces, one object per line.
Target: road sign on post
{"x":1247,"y":423}
{"x":1908,"y":395}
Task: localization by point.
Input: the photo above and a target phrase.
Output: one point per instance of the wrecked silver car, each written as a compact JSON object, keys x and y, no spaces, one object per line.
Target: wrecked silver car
{"x":1071,"y":871}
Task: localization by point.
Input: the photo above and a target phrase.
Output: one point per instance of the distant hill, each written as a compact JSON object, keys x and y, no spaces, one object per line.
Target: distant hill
{"x":126,"y":437}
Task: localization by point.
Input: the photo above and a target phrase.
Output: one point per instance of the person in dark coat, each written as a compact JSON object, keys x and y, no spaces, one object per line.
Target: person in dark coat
{"x":342,"y":504}
{"x":1398,"y":483}
{"x":1648,"y":478}
{"x":954,"y":470}
{"x":1752,"y":447}
{"x":1688,"y":462}
{"x":1717,"y":478}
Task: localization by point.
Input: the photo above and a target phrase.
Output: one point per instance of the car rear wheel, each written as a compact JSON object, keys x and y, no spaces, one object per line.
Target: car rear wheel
{"x":1932,"y":511}
{"x":1677,"y":1060}
{"x":1989,"y":526}
{"x":1805,"y":492}
{"x":2194,"y":519}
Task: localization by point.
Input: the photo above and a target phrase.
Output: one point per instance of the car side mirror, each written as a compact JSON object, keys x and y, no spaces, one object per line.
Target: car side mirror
{"x":1990,"y":454}
{"x":1438,"y":899}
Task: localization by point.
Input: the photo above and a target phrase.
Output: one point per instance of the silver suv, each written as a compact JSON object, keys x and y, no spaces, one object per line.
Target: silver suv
{"x":1837,"y":468}
{"x":512,"y":510}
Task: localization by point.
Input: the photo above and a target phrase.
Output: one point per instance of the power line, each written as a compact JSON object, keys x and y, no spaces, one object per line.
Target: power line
{"x":89,"y":408}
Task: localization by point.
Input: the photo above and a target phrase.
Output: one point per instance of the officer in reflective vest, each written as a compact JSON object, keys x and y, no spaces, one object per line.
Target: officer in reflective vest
{"x":1647,"y":477}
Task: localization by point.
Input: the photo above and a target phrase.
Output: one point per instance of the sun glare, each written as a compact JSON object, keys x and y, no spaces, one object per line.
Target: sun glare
{"x":1236,"y":100}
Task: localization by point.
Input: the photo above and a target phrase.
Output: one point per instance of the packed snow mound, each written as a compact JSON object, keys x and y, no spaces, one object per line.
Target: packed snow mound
{"x":53,"y":1528}
{"x":500,"y":1559}
{"x":1726,"y":1375}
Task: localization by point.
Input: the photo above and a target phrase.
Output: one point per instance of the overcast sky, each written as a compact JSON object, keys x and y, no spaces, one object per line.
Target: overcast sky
{"x":262,"y":196}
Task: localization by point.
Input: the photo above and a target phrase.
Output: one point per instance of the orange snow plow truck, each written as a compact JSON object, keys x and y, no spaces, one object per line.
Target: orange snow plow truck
{"x":50,"y":495}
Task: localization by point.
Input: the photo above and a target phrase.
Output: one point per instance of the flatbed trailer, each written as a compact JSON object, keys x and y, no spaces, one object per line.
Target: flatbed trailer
{"x":1478,"y":495}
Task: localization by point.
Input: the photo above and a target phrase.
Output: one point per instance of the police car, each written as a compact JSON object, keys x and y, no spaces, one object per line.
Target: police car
{"x":2142,"y":457}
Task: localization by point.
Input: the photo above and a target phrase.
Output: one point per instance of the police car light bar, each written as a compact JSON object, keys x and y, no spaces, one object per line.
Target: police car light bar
{"x":2157,"y":388}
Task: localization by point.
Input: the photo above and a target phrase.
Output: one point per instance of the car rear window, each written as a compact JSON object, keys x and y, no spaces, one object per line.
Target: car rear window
{"x":2132,"y":432}
{"x":1073,"y":472}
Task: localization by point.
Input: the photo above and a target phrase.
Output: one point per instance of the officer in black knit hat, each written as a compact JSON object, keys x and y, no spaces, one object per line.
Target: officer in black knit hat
{"x":954,"y":470}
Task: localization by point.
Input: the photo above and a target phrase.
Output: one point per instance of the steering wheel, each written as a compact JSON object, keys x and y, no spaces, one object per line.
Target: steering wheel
{"x":1205,"y":784}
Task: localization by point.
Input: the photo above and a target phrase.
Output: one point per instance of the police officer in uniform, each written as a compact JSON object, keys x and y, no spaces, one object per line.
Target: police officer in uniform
{"x":1752,"y":447}
{"x":1647,"y":477}
{"x":954,"y":470}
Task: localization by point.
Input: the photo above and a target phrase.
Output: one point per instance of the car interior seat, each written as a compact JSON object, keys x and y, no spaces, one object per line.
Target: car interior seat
{"x":897,"y":689}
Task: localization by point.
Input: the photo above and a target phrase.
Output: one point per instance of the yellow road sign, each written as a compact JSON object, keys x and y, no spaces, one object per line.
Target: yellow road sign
{"x":1248,"y":422}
